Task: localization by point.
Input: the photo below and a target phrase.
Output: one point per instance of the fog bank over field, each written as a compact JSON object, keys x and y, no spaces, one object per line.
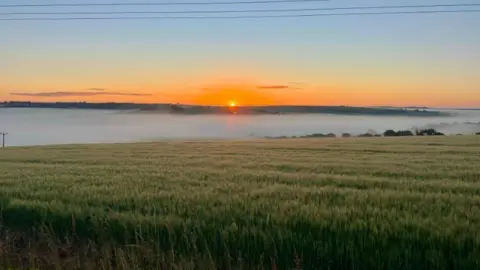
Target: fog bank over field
{"x":57,"y":126}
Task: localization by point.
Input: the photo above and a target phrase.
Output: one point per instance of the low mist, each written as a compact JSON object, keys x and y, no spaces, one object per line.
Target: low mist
{"x":56,"y":126}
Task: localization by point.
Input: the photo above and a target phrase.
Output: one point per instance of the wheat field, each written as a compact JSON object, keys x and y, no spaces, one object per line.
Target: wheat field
{"x":343,"y":203}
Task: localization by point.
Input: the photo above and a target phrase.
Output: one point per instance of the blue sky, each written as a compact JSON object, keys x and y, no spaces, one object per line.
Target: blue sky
{"x":406,"y":59}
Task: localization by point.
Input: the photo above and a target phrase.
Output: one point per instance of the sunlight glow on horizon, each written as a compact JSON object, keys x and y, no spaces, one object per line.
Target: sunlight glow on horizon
{"x":254,"y":93}
{"x":328,"y":97}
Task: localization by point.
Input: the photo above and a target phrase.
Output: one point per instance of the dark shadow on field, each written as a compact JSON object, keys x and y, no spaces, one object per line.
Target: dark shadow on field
{"x":250,"y":241}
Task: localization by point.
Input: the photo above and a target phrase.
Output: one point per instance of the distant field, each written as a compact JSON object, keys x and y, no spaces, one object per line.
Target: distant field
{"x":356,"y":203}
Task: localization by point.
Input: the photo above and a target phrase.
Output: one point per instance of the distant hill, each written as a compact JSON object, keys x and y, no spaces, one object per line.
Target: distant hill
{"x":405,"y":107}
{"x":466,"y":109}
{"x":243,"y":110}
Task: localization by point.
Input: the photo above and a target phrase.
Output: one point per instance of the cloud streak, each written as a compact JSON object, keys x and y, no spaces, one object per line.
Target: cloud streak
{"x":77,"y":94}
{"x":96,"y":89}
{"x":279,"y":86}
{"x":272,"y":86}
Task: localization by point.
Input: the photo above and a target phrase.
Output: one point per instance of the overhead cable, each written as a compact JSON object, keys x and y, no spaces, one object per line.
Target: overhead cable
{"x":244,"y":17}
{"x":243,"y":10}
{"x":160,"y":3}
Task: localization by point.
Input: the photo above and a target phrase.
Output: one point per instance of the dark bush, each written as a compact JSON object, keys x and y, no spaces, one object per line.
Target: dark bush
{"x":404,"y":133}
{"x":365,"y":135}
{"x":427,"y":132}
{"x":390,"y":133}
{"x":478,"y":133}
{"x":346,"y":135}
{"x":319,"y":135}
{"x":314,"y":135}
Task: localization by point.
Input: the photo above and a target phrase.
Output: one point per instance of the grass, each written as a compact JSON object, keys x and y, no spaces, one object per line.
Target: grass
{"x":355,"y":203}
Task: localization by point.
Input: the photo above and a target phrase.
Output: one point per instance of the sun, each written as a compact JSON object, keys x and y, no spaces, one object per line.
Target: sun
{"x":232,"y":104}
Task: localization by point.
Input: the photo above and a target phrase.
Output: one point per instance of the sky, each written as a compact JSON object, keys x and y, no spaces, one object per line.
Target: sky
{"x":401,"y":60}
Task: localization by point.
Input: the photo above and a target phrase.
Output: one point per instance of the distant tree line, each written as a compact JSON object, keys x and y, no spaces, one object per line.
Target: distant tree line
{"x":200,"y":109}
{"x":319,"y":135}
{"x":387,"y":133}
{"x":418,"y":132}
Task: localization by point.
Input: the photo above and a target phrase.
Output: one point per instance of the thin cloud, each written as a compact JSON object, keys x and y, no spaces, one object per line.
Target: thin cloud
{"x":272,"y":86}
{"x":96,"y":89}
{"x":296,"y":83}
{"x":77,"y":94}
{"x":277,"y":87}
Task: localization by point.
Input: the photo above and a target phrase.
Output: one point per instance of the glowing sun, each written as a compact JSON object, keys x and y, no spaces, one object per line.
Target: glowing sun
{"x":232,"y":104}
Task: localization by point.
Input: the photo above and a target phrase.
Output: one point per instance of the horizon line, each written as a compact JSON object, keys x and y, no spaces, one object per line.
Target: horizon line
{"x":240,"y":106}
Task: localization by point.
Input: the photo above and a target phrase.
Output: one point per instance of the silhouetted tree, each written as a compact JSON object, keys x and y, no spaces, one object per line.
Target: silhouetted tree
{"x":314,"y":135}
{"x":365,"y":135}
{"x":331,"y":135}
{"x":427,"y":132}
{"x":405,"y":133}
{"x":346,"y":135}
{"x":390,"y":133}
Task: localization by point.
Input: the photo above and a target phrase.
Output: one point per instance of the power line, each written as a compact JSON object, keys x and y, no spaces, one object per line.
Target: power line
{"x":243,"y":17}
{"x":245,"y":11}
{"x":159,"y":3}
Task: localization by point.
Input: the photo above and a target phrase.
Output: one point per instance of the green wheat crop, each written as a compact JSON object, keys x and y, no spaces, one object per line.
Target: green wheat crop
{"x":356,"y":203}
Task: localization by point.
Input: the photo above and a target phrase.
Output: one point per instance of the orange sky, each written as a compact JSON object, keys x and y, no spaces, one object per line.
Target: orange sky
{"x":283,"y":93}
{"x":252,"y":95}
{"x":247,"y":83}
{"x":248,"y":86}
